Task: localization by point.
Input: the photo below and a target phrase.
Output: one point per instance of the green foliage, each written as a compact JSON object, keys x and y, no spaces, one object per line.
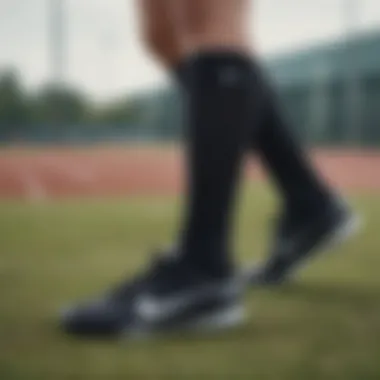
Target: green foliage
{"x":14,"y":104}
{"x":119,"y":112}
{"x":56,"y":105}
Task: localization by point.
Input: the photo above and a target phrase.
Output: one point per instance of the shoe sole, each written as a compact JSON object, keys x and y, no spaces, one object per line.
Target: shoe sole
{"x":225,"y":319}
{"x":343,"y":232}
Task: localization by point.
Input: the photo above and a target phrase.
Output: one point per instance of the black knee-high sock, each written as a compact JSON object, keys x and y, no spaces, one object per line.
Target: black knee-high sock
{"x":220,"y":88}
{"x":282,"y":155}
{"x":289,"y":166}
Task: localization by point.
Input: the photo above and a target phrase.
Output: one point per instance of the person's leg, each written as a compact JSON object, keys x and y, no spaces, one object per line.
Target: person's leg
{"x":221,"y":89}
{"x":308,"y":201}
{"x":195,"y":286}
{"x":160,"y":26}
{"x":203,"y":31}
{"x":280,"y":153}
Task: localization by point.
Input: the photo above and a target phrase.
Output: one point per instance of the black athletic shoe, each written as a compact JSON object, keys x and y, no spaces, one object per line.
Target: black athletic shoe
{"x":170,"y":296}
{"x":301,"y":238}
{"x":106,"y":315}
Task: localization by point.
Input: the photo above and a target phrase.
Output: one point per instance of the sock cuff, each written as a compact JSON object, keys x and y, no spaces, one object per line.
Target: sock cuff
{"x":214,"y":58}
{"x":220,"y":68}
{"x":209,"y":61}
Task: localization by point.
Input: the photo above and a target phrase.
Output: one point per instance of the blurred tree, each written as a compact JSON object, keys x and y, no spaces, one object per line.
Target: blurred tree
{"x":15,"y":112}
{"x":14,"y":108}
{"x":125,"y":111}
{"x":59,"y":106}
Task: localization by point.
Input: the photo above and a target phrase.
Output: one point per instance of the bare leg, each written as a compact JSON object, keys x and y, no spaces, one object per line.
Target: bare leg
{"x":172,"y":29}
{"x":216,"y":24}
{"x":161,"y":30}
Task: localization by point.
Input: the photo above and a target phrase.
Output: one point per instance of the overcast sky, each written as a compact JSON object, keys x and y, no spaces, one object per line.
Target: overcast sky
{"x":104,"y":54}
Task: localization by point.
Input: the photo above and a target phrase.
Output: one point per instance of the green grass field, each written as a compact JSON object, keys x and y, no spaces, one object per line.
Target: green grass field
{"x":324,"y":326}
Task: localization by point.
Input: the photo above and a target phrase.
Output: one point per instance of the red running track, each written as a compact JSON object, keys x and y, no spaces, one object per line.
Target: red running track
{"x":44,"y":173}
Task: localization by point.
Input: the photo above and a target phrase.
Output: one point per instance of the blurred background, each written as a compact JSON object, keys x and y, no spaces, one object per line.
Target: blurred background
{"x":91,"y":172}
{"x":75,"y":71}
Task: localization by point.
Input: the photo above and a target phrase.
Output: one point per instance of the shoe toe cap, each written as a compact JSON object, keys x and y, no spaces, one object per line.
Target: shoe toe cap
{"x":95,"y":319}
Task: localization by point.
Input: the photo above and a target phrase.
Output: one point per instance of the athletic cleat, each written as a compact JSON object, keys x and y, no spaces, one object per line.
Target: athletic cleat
{"x":106,"y":315}
{"x":300,"y":239}
{"x":170,"y":297}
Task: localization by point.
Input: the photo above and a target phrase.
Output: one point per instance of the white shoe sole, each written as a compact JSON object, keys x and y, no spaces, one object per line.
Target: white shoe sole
{"x":221,"y":320}
{"x":225,"y":319}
